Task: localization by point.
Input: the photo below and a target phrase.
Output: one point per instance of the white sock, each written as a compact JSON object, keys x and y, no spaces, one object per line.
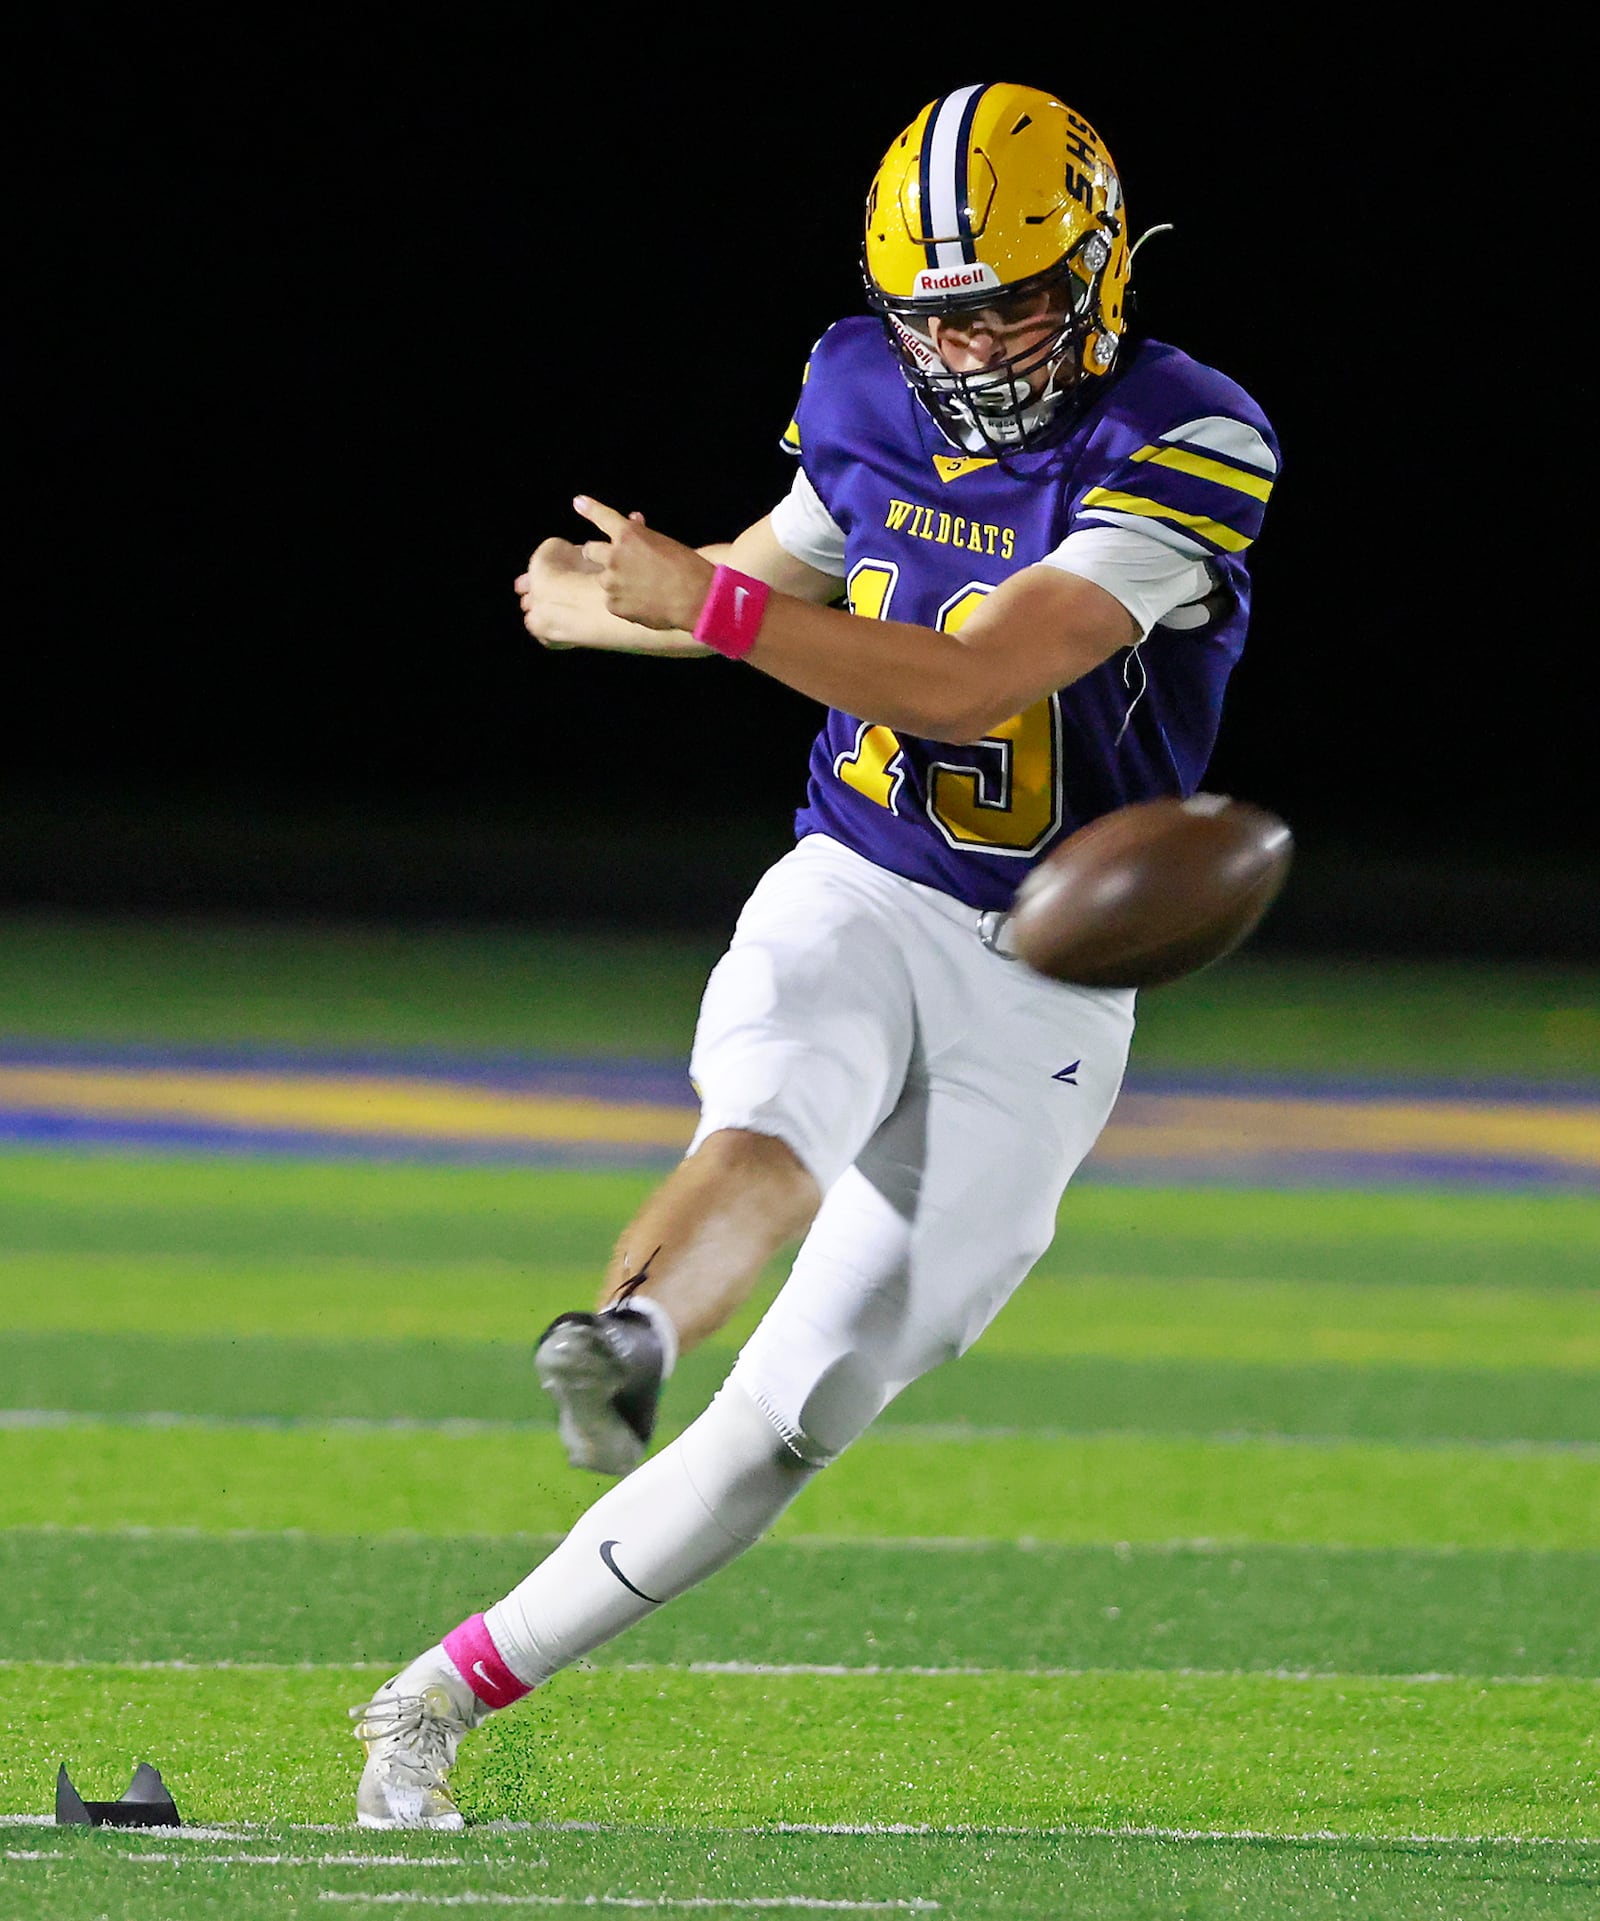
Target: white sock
{"x":678,"y":1517}
{"x":666,"y":1328}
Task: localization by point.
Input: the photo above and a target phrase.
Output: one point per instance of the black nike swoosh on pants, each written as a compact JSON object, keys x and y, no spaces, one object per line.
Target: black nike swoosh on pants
{"x":610,"y":1561}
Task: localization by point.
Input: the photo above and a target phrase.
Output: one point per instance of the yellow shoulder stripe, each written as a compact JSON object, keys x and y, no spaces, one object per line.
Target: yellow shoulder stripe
{"x":1255,"y":485}
{"x":1212,"y":530}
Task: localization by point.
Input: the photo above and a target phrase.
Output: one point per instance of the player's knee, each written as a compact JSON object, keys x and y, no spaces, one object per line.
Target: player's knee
{"x":821,"y":1422}
{"x":741,"y":1463}
{"x":846,"y":1399}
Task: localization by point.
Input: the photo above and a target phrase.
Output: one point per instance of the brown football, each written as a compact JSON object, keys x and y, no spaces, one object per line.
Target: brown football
{"x":1151,"y":892}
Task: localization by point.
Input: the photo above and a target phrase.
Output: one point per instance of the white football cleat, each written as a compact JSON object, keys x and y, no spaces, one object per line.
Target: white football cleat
{"x":411,"y":1742}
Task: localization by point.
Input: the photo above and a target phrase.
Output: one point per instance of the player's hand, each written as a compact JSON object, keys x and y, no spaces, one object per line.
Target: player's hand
{"x":644,"y":576}
{"x":560,"y":597}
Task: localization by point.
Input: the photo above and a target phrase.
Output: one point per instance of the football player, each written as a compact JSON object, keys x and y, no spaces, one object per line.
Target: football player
{"x":1041,"y":523}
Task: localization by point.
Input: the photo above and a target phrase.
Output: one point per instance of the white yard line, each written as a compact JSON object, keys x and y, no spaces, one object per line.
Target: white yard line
{"x":50,"y":1417}
{"x":888,"y":1432}
{"x":224,"y":1833}
{"x":1132,"y":1833}
{"x":143,"y":1857}
{"x":147,"y":1856}
{"x":1059,"y":1832}
{"x":961,"y":1830}
{"x":807,"y":1543}
{"x":394,"y":1537}
{"x":825,"y":1670}
{"x":838,"y":1670}
{"x":217,"y":1667}
{"x":750,"y":1903}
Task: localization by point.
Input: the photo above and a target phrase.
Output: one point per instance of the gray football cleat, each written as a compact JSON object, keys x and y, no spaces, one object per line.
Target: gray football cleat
{"x":604,"y":1373}
{"x":411,"y":1742}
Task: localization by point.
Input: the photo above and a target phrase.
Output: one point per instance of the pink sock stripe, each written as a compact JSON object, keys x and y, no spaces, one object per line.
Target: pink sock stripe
{"x":478,"y":1660}
{"x":730,"y":619}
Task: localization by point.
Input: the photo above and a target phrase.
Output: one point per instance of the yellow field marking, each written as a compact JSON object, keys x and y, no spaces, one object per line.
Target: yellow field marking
{"x":371,"y":1104}
{"x":1214,"y":1127}
{"x":1144,"y":1127}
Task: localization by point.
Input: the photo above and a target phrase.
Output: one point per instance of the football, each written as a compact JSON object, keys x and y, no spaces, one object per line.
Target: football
{"x":1150,"y":892}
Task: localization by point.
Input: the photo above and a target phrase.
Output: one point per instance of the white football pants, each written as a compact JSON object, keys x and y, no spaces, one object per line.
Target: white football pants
{"x":940,"y":1094}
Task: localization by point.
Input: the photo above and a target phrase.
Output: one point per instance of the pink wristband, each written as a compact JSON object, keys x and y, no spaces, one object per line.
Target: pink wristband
{"x":731,"y":617}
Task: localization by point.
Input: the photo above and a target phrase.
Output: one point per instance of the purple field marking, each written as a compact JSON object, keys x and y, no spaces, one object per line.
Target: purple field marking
{"x":667,"y":1082}
{"x":659,"y":1083}
{"x":79,"y":1132}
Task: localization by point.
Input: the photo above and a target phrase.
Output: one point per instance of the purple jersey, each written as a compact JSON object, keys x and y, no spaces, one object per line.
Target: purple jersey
{"x":1170,"y":447}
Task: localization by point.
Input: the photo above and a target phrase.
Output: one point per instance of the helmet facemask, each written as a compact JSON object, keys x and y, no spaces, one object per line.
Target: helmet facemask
{"x":1031,"y":397}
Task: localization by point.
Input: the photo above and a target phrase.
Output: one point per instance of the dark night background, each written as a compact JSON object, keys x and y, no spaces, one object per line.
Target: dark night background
{"x":323,"y":326}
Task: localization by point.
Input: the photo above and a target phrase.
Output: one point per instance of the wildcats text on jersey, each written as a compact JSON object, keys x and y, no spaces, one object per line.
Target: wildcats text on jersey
{"x":950,"y":530}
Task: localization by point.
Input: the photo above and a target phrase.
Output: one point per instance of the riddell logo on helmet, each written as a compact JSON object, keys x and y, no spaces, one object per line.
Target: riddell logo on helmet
{"x":953,"y":279}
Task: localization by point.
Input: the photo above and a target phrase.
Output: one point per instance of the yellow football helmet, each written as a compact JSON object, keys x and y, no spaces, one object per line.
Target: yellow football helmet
{"x":1000,"y":198}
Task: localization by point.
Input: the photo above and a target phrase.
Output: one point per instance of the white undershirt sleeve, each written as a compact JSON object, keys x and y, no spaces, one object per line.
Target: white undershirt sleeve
{"x":1158,"y":585}
{"x":804,"y":528}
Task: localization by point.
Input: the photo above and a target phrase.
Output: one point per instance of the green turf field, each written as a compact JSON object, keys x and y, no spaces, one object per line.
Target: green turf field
{"x":202,"y":981}
{"x":1248,"y":1568}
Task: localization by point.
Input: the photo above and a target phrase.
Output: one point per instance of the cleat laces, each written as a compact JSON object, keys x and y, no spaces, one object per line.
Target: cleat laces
{"x":417,"y":1737}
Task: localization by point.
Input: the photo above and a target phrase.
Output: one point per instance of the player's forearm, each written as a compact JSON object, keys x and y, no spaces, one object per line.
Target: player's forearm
{"x":630,"y":638}
{"x":1039,"y":630}
{"x":913,"y":679}
{"x":922,"y":681}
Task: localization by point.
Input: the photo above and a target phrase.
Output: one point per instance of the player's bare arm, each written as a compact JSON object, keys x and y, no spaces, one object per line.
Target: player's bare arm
{"x":1038,"y":631}
{"x":563,"y":599}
